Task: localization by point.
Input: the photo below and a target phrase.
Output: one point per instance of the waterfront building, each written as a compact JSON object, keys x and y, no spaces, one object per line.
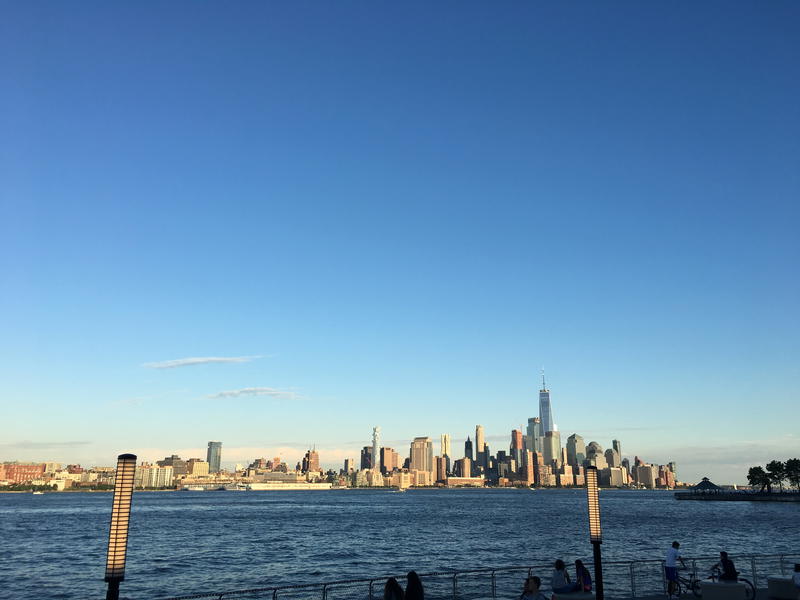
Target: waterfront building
{"x":214,"y":456}
{"x":576,"y":450}
{"x":445,"y":445}
{"x":674,"y":468}
{"x":646,"y":475}
{"x":612,"y":458}
{"x":468,"y":449}
{"x":21,"y":472}
{"x":551,"y":447}
{"x":533,"y":438}
{"x":176,"y":462}
{"x":196,"y":467}
{"x":465,"y":482}
{"x":529,"y":468}
{"x":545,"y":409}
{"x":480,"y":447}
{"x":421,"y":455}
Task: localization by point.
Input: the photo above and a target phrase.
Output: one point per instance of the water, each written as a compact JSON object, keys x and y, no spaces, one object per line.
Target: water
{"x":53,"y":545}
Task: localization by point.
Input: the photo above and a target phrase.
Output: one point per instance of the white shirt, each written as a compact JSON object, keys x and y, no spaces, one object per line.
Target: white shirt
{"x":672,"y":558}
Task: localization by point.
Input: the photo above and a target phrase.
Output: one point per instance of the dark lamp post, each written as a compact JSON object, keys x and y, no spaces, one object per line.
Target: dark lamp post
{"x":120,"y":519}
{"x":595,"y":531}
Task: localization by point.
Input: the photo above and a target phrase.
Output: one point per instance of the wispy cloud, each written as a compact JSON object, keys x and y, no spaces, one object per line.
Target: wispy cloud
{"x":198,"y":360}
{"x":255,"y":391}
{"x":29,"y":445}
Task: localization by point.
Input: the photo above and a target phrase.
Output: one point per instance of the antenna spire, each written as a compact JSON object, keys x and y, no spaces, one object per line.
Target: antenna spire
{"x":544,"y":385}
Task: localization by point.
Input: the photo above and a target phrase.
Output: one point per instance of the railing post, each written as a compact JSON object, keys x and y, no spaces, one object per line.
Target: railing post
{"x":633,"y":582}
{"x":371,"y":581}
{"x":494,"y":586}
{"x":664,"y":577}
{"x":275,"y":594}
{"x":755,"y":575}
{"x":783,"y":571}
{"x":455,"y":586}
{"x":324,"y":591}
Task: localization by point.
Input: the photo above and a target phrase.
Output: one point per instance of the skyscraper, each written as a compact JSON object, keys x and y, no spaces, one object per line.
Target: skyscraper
{"x":576,"y":450}
{"x":551,"y":447}
{"x":545,"y":409}
{"x":534,"y":434}
{"x":366,"y":458}
{"x":480,"y":450}
{"x":516,"y":446}
{"x":468,"y":448}
{"x":376,"y":434}
{"x":445,"y":442}
{"x":214,"y":456}
{"x":311,"y":462}
{"x":617,"y":445}
{"x":421,"y":456}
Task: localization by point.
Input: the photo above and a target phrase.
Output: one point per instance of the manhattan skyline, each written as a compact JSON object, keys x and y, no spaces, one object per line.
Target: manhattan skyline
{"x":278,"y":226}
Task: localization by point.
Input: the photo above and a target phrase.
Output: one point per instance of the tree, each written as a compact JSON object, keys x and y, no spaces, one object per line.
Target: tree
{"x":792,"y":468}
{"x":776,"y":471}
{"x":756,"y":477}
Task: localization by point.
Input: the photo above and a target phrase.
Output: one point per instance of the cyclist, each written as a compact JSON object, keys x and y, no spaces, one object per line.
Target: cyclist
{"x":671,"y":567}
{"x":727,"y":568}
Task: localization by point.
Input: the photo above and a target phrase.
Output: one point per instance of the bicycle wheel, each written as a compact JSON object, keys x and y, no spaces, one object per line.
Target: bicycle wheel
{"x":698,"y":593}
{"x":750,"y":590}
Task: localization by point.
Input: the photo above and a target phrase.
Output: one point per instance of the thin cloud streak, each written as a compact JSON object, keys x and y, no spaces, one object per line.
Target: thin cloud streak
{"x":256,"y":391}
{"x":29,"y":445}
{"x":198,"y":360}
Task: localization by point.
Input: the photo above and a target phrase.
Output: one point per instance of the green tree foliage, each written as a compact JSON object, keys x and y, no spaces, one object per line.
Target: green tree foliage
{"x":758,"y":478}
{"x":776,"y":471}
{"x":792,"y":468}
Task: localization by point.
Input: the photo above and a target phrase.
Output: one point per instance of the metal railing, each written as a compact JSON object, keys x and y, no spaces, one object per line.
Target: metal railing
{"x":621,"y":579}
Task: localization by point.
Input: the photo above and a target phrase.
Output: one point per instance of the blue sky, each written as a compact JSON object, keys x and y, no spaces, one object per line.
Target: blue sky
{"x":403,"y":211}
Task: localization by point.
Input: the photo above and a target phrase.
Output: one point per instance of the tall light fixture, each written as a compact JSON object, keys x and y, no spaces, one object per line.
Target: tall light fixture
{"x":595,"y":531}
{"x":120,"y":519}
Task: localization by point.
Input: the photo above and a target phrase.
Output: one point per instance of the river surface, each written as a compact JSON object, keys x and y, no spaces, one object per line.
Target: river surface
{"x":53,"y":545}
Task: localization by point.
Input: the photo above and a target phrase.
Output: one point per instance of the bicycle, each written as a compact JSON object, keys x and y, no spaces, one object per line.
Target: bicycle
{"x":685,"y":585}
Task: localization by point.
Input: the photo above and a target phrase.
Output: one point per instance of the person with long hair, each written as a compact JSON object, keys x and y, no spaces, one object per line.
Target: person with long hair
{"x":414,"y":589}
{"x":531,"y":589}
{"x":392,"y":590}
{"x":583,"y":579}
{"x":560,"y":582}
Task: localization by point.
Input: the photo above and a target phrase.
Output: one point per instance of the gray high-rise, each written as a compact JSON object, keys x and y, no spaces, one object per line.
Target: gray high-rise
{"x":576,"y":450}
{"x":214,"y":456}
{"x":545,"y":409}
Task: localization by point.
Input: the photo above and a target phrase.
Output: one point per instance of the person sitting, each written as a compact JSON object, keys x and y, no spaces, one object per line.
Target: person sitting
{"x":796,"y":576}
{"x":583,"y":579}
{"x":728,"y":574}
{"x":531,"y":590}
{"x":414,"y":589}
{"x":392,"y":590}
{"x":560,"y":582}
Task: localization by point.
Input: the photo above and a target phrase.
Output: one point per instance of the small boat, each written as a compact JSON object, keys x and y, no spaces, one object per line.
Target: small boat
{"x":37,"y":492}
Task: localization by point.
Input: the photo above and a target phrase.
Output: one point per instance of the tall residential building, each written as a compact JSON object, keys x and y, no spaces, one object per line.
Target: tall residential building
{"x":576,"y":450}
{"x":480,"y":447}
{"x":421,"y":456}
{"x":389,"y":460}
{"x":376,"y":434}
{"x":445,"y":443}
{"x":545,"y":409}
{"x":534,"y":434}
{"x":551,"y":447}
{"x":214,"y":456}
{"x":468,"y":448}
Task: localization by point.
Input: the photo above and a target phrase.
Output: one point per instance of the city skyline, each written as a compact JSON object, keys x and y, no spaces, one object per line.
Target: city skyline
{"x":279,"y":225}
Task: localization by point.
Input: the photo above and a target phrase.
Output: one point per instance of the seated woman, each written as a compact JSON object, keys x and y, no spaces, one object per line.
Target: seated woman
{"x":560,"y":580}
{"x":729,"y":573}
{"x":583,"y":579}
